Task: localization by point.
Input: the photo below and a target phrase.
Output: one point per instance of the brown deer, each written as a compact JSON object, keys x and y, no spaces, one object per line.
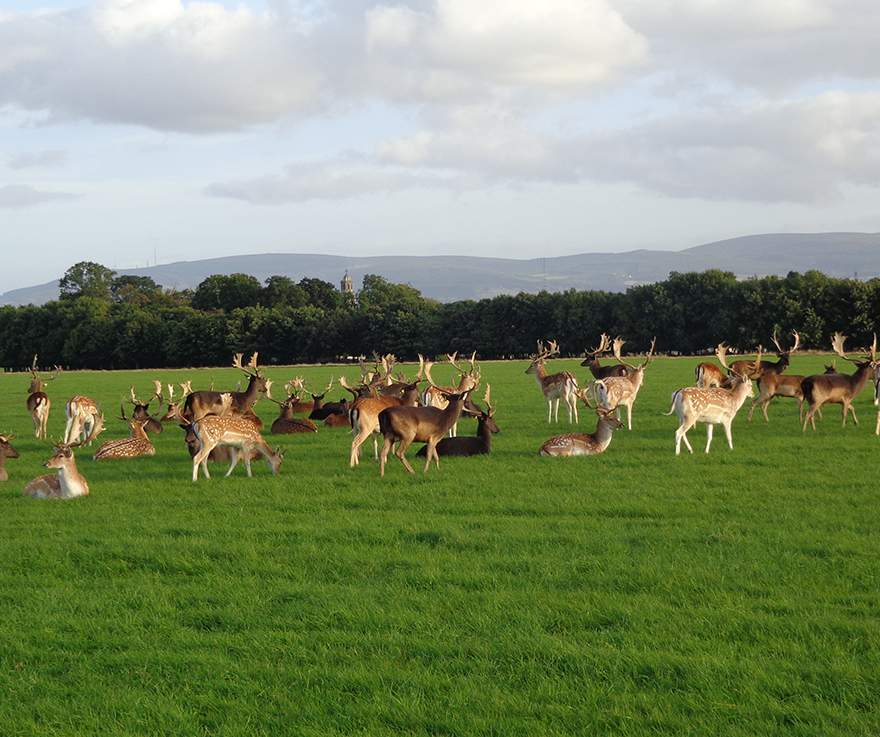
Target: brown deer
{"x":584,"y":444}
{"x":592,"y":361}
{"x":286,"y":423}
{"x":68,"y":483}
{"x":773,"y":383}
{"x":562,"y":385}
{"x":174,"y":411}
{"x":434,"y":397}
{"x":321,"y":411}
{"x":136,"y":445}
{"x":708,"y":375}
{"x":405,"y":425}
{"x":141,"y":410}
{"x":839,"y":389}
{"x":6,"y":451}
{"x":38,"y":402}
{"x":238,"y":433}
{"x":712,"y":406}
{"x":621,"y":391}
{"x":84,"y":421}
{"x":479,"y":445}
{"x":202,"y":403}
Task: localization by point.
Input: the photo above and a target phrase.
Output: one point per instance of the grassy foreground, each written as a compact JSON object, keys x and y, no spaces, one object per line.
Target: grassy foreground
{"x":634,"y":593}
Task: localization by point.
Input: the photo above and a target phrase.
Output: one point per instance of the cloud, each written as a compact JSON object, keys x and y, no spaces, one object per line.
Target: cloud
{"x":32,"y":159}
{"x":14,"y":196}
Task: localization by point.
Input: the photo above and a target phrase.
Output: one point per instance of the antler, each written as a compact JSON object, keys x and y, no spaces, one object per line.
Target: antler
{"x":837,"y":342}
{"x":251,"y":369}
{"x":650,"y":355}
{"x":873,"y":353}
{"x":487,"y":398}
{"x":134,"y":400}
{"x":721,"y":355}
{"x":34,"y":366}
{"x":157,"y":385}
{"x":186,"y":389}
{"x":268,"y":388}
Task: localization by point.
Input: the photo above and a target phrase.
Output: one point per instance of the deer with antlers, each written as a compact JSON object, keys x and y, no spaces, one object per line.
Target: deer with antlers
{"x":137,"y":445}
{"x":773,"y":383}
{"x":708,"y":375}
{"x":585,"y":444}
{"x":712,"y":406}
{"x":84,"y":420}
{"x":238,"y":433}
{"x":321,"y":411}
{"x":140,"y":410}
{"x":68,"y":483}
{"x":174,"y":413}
{"x":286,"y":423}
{"x":621,"y":391}
{"x":592,"y":360}
{"x":434,"y":396}
{"x":38,"y":402}
{"x":839,"y":389}
{"x":6,"y":451}
{"x":201,"y":403}
{"x":562,"y":385}
{"x":479,"y":445}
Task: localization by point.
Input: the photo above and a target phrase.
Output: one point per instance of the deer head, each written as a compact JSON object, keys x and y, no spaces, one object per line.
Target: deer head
{"x":537,"y":359}
{"x":592,"y":355}
{"x":619,"y":343}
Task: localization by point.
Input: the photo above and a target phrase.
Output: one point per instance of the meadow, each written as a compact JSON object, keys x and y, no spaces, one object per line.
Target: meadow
{"x":633,"y":593}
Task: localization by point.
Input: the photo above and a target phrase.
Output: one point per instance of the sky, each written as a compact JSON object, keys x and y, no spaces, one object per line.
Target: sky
{"x":140,"y":130}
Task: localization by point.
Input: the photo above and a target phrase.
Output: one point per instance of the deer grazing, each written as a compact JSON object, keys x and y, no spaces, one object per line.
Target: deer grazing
{"x":38,"y":402}
{"x":584,"y":444}
{"x":68,"y":483}
{"x":6,"y":451}
{"x":562,"y":385}
{"x":773,"y":383}
{"x":839,"y":389}
{"x":479,"y":445}
{"x":136,"y":445}
{"x":712,"y":406}
{"x":84,"y":421}
{"x":201,"y":403}
{"x":592,"y":360}
{"x":621,"y":391}
{"x":235,"y":431}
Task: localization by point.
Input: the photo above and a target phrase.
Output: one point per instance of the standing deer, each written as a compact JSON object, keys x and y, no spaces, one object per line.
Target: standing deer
{"x":708,"y":375}
{"x":38,"y":402}
{"x":584,"y":444}
{"x":773,"y":383}
{"x":68,"y":483}
{"x":712,"y":406}
{"x":554,"y":387}
{"x":479,"y":445}
{"x":592,"y":361}
{"x":84,"y":421}
{"x":621,"y":391}
{"x":201,"y":403}
{"x":838,"y":388}
{"x":6,"y":451}
{"x":434,"y":396}
{"x":136,"y":445}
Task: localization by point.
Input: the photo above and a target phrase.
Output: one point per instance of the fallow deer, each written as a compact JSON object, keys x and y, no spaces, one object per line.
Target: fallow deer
{"x":6,"y":451}
{"x":479,"y":445}
{"x":136,"y":445}
{"x":712,"y":406}
{"x":286,"y":423}
{"x":84,"y":420}
{"x":174,"y":411}
{"x":621,"y":391}
{"x":68,"y":483}
{"x":202,"y":403}
{"x":38,"y":402}
{"x":434,"y":396}
{"x":708,"y":375}
{"x":321,"y":411}
{"x":839,"y":389}
{"x":140,"y":410}
{"x":584,"y":444}
{"x":592,"y":360}
{"x":773,"y":383}
{"x":562,"y":385}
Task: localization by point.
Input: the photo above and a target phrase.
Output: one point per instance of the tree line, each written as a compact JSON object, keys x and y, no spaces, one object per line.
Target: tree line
{"x":105,"y":321}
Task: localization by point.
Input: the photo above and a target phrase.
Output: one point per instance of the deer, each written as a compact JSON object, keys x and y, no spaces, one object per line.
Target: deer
{"x":173,"y":413}
{"x":137,"y":445}
{"x":141,"y":409}
{"x":840,"y":389}
{"x":592,"y":360}
{"x":286,"y":423}
{"x":68,"y":483}
{"x":554,"y":386}
{"x":404,"y":425}
{"x":708,"y":375}
{"x":712,"y":406}
{"x":621,"y":391}
{"x":238,"y":433}
{"x":201,"y":403}
{"x":84,"y":420}
{"x":6,"y":451}
{"x":773,"y":383}
{"x":584,"y":444}
{"x":38,"y":402}
{"x":479,"y":445}
{"x":321,"y":411}
{"x":435,"y":397}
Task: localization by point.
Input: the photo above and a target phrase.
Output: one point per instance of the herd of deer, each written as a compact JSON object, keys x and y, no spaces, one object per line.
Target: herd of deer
{"x":223,"y":427}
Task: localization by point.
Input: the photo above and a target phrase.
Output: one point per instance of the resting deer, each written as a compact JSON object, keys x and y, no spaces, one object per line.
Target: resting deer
{"x":38,"y":402}
{"x":6,"y":451}
{"x":554,"y":387}
{"x":479,"y":445}
{"x":621,"y":391}
{"x":773,"y":383}
{"x":68,"y":483}
{"x":174,"y":413}
{"x":84,"y":421}
{"x":838,"y":388}
{"x":286,"y":423}
{"x":712,"y":406}
{"x":321,"y":411}
{"x":584,"y":444}
{"x":201,"y":403}
{"x":592,"y":361}
{"x":434,"y":396}
{"x":141,"y":410}
{"x":136,"y":445}
{"x":238,"y":433}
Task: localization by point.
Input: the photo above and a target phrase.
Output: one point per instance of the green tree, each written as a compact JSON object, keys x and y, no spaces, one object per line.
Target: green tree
{"x":222,"y":292}
{"x":86,"y":279}
{"x":283,"y":291}
{"x":136,"y":290}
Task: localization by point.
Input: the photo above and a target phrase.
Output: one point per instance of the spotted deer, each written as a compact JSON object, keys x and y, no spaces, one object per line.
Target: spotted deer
{"x":38,"y":402}
{"x":6,"y":451}
{"x":562,"y":385}
{"x":84,"y":421}
{"x":621,"y":391}
{"x":137,"y":445}
{"x":584,"y":444}
{"x":68,"y":483}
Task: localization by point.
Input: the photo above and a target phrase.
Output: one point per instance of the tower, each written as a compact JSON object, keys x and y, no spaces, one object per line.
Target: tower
{"x":346,"y":286}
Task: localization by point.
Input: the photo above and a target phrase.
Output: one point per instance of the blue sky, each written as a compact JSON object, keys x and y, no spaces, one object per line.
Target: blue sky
{"x":130,"y":128}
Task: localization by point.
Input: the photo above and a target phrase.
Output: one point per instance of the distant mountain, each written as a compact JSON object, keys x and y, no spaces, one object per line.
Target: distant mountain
{"x":448,"y":278}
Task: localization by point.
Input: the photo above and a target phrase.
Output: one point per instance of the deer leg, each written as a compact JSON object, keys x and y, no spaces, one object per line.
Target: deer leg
{"x":556,"y":410}
{"x":359,"y":440}
{"x":247,"y":461}
{"x":629,"y":417}
{"x":402,"y":445}
{"x":200,"y":459}
{"x":710,"y":428}
{"x":877,"y":429}
{"x":233,"y":458}
{"x":386,"y":448}
{"x":375,"y":447}
{"x":572,"y":400}
{"x":853,"y":410}
{"x":728,"y":433}
{"x":429,"y":455}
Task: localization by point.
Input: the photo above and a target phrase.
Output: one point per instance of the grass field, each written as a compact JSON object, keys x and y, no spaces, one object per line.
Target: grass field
{"x":634,"y":593}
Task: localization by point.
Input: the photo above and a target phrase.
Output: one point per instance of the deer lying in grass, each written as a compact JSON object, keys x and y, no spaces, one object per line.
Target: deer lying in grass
{"x":286,"y":423}
{"x":584,"y":444}
{"x":38,"y":402}
{"x":136,"y":445}
{"x":479,"y":445}
{"x":174,"y":413}
{"x":6,"y":451}
{"x":621,"y":391}
{"x":712,"y":406}
{"x":68,"y":483}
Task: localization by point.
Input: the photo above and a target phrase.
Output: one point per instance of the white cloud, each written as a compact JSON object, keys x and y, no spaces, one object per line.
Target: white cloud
{"x":14,"y":196}
{"x":34,"y":159}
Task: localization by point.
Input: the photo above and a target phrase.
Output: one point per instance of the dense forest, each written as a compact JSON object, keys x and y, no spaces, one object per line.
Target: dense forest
{"x":113,"y":322}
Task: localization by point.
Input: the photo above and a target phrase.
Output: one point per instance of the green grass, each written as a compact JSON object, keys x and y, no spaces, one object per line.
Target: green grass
{"x":634,"y":593}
